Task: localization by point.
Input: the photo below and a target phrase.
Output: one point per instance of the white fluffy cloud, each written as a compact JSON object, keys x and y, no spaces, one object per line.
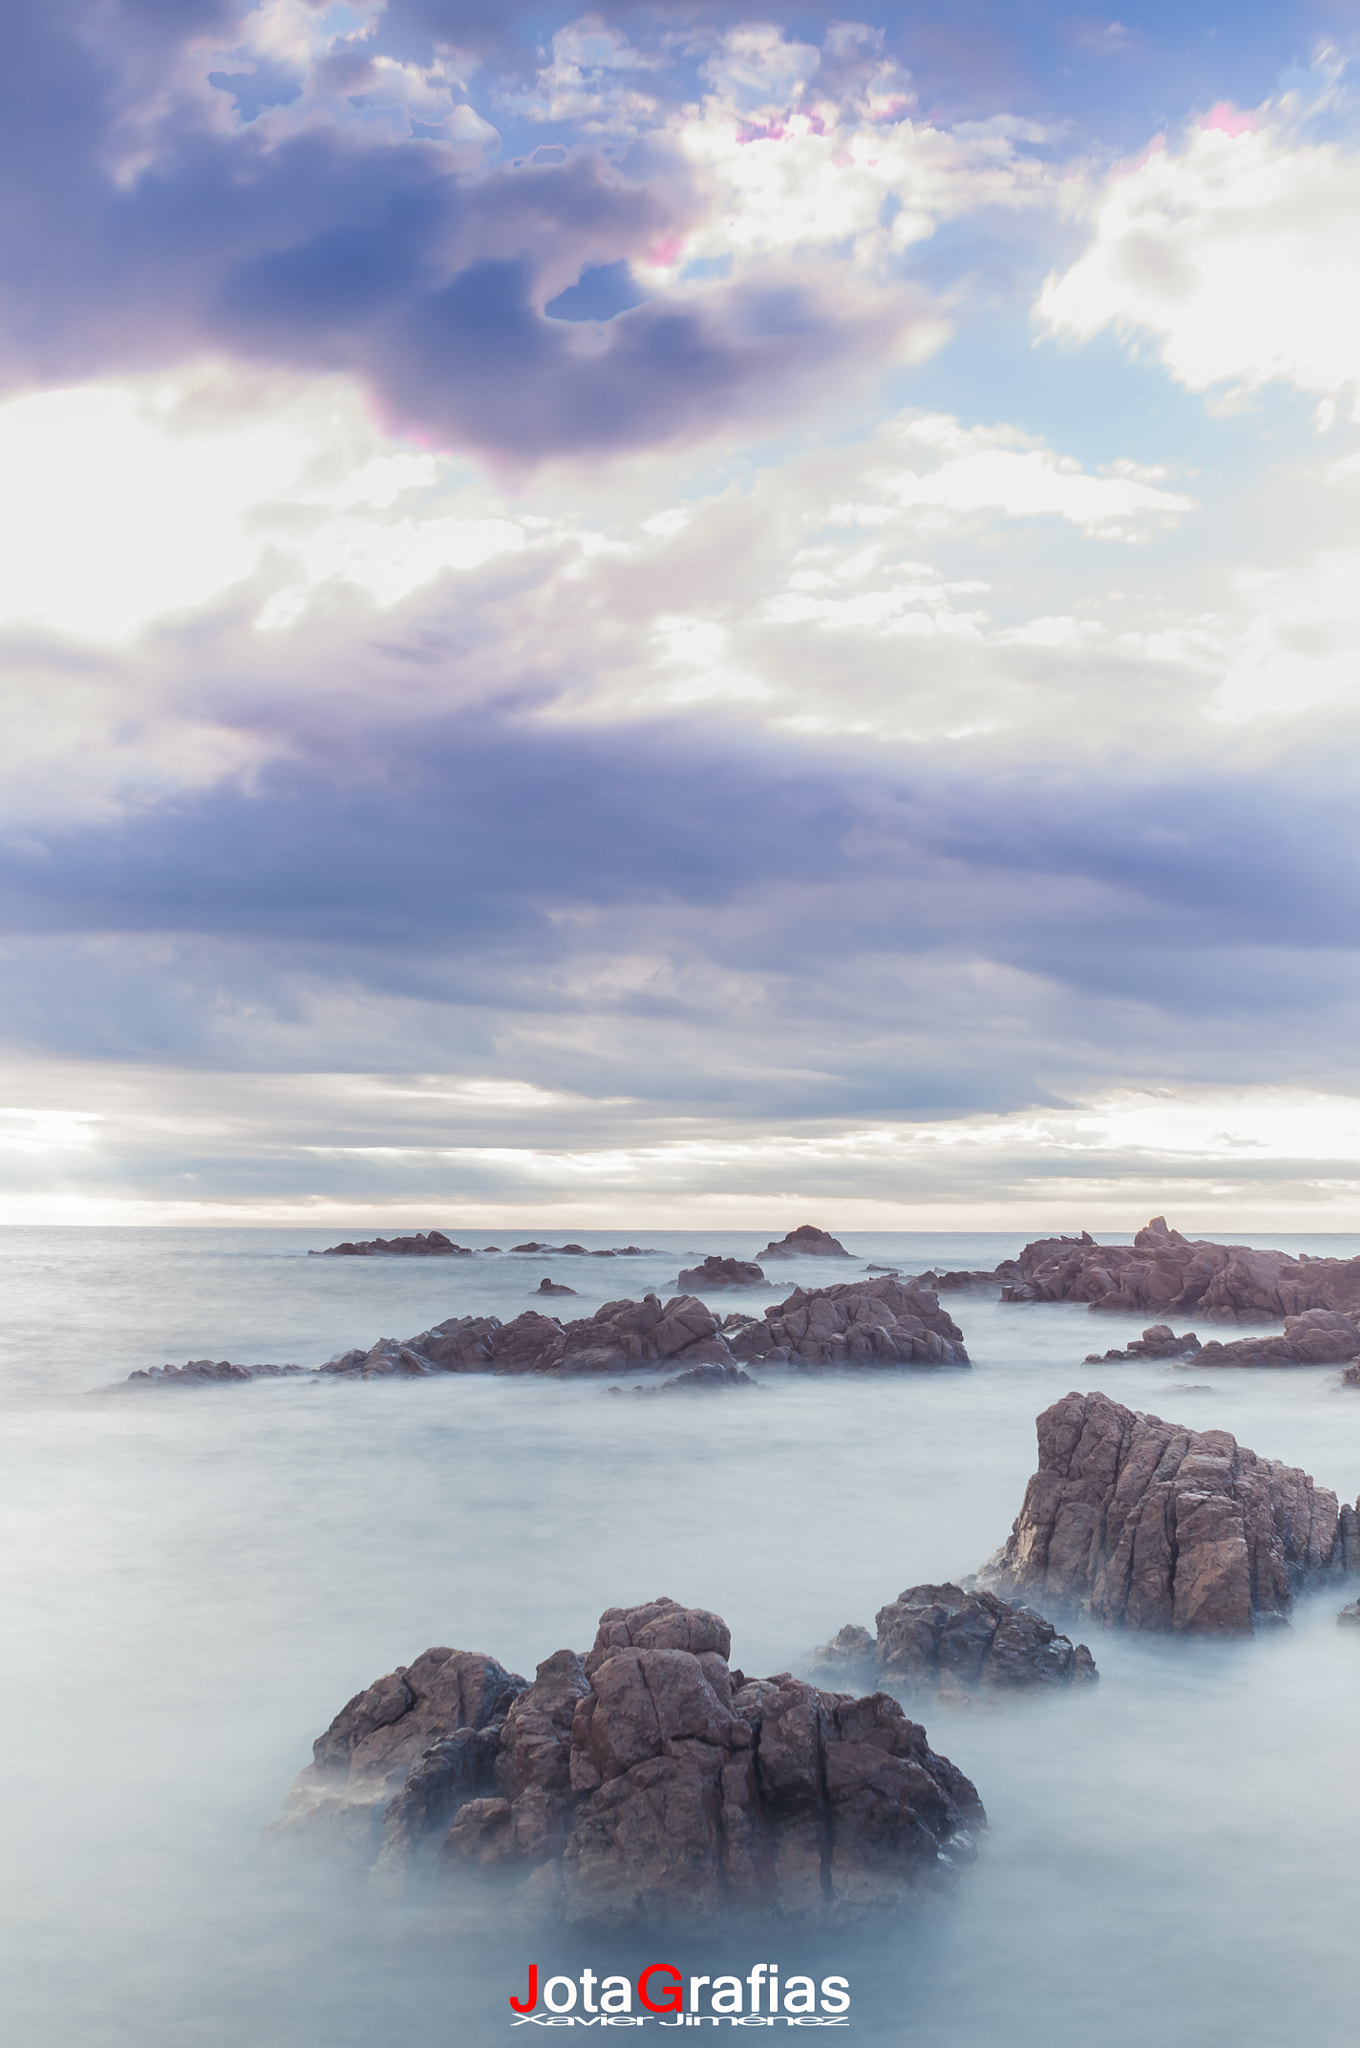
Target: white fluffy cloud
{"x":1239,"y":250}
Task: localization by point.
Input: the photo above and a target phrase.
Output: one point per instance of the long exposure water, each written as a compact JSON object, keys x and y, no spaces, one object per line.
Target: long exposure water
{"x":196,"y":1580}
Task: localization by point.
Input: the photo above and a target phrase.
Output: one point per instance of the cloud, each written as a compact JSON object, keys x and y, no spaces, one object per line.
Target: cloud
{"x":1235,"y":249}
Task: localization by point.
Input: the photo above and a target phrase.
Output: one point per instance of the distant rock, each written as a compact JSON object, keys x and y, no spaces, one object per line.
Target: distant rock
{"x":1349,"y":1617}
{"x":1320,"y":1336}
{"x":807,"y":1242}
{"x":968,"y":1282}
{"x":578,"y":1251}
{"x":855,"y":1322}
{"x":203,"y":1372}
{"x":955,"y":1645}
{"x":1159,"y":1340}
{"x":646,"y":1784}
{"x":1172,"y":1275}
{"x":716,"y":1274}
{"x":1148,"y":1525}
{"x":424,"y":1245}
{"x":554,"y":1287}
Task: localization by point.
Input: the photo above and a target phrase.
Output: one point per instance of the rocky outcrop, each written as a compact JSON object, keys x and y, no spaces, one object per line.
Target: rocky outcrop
{"x":1158,"y":1341}
{"x":554,"y":1287}
{"x":204,"y":1372}
{"x":858,"y":1322}
{"x":1349,"y":1617}
{"x":716,"y":1275}
{"x":955,"y":1646}
{"x":807,"y":1242}
{"x":1320,"y":1336}
{"x":579,"y":1251}
{"x":424,"y":1244}
{"x":698,"y":1379}
{"x":646,"y":1783}
{"x":1145,"y":1524}
{"x":1171,"y":1275}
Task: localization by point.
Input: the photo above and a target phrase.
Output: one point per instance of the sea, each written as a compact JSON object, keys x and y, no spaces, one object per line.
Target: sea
{"x":196,"y":1579}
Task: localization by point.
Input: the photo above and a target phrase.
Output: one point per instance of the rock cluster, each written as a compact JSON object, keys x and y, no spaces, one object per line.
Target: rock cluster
{"x":859,"y":1322}
{"x":204,"y":1372}
{"x":1144,"y":1524}
{"x":717,"y":1274}
{"x":955,"y":1645}
{"x":647,"y":1782}
{"x":699,"y":1379}
{"x":856,"y":1322}
{"x":1320,"y":1336}
{"x":424,"y":1245}
{"x":807,"y":1242}
{"x":1168,"y":1274}
{"x":579,"y":1251}
{"x":1159,"y":1340}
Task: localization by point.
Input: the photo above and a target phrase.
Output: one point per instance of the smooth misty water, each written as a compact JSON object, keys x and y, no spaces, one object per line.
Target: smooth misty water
{"x":194,"y":1582}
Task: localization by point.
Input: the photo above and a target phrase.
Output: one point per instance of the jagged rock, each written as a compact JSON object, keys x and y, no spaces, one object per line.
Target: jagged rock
{"x":1149,"y":1525}
{"x":578,"y":1251}
{"x":941,"y":1640}
{"x":554,"y":1287}
{"x":1170,"y":1274}
{"x":716,"y":1274}
{"x":1320,"y":1336}
{"x":1349,"y":1617}
{"x":425,"y":1244}
{"x":857,"y":1322}
{"x":807,"y":1242}
{"x":649,"y":1783}
{"x":1158,"y":1341}
{"x":964,"y":1282}
{"x":399,"y":1749}
{"x":203,"y":1372}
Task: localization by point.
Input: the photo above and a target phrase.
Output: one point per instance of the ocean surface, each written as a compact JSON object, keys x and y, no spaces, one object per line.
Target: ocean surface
{"x":195,"y":1580}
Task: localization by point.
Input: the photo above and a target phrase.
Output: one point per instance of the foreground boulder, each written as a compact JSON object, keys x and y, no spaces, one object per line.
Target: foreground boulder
{"x":718,"y":1274}
{"x":807,"y":1242}
{"x":942,"y":1641}
{"x":1171,"y":1275}
{"x":645,"y":1783}
{"x":857,"y":1322}
{"x":1144,"y":1524}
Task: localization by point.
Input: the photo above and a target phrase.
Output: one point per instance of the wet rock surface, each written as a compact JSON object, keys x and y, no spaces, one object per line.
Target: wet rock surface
{"x":1171,"y":1275}
{"x":646,"y":1783}
{"x":1148,"y":1525}
{"x":954,"y":1645}
{"x":717,"y":1274}
{"x":807,"y":1242}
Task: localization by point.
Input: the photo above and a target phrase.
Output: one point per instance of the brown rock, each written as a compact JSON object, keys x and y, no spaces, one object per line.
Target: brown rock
{"x":941,"y":1640}
{"x":858,"y":1322}
{"x":1148,"y":1525}
{"x":424,"y":1244}
{"x":807,"y":1242}
{"x":718,"y":1275}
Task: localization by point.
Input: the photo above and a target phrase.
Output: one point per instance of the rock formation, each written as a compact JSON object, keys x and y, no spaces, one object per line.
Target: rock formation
{"x":646,"y":1783}
{"x":699,"y":1379}
{"x":715,"y":1274}
{"x":1320,"y":1336}
{"x":554,"y":1287}
{"x":859,"y":1322}
{"x":1170,"y":1275}
{"x":1148,"y":1525}
{"x":1349,"y":1617}
{"x":424,"y":1245}
{"x":942,"y":1641}
{"x":203,"y":1372}
{"x":579,"y":1251}
{"x":1157,"y":1341}
{"x":807,"y":1242}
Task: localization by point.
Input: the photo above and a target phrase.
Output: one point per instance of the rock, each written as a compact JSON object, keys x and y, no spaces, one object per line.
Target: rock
{"x":1320,"y":1336}
{"x":1158,"y":1341}
{"x":647,"y":1783}
{"x":941,"y":1640}
{"x":698,"y":1379}
{"x":857,"y":1322}
{"x":554,"y":1287}
{"x":1145,"y":1524}
{"x":807,"y":1242}
{"x":382,"y":1757}
{"x":578,"y":1251}
{"x":425,"y":1244}
{"x":203,"y":1372}
{"x":1169,"y":1274}
{"x":1349,"y":1617}
{"x":716,"y":1274}
{"x":966,"y":1282}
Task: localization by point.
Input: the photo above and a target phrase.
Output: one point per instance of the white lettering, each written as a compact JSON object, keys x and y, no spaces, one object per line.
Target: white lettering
{"x":800,"y":1995}
{"x":560,"y":2005}
{"x":835,"y":1994}
{"x":616,"y":1995}
{"x":726,"y":1994}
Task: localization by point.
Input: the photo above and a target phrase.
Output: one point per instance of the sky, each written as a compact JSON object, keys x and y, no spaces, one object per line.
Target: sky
{"x":669,"y":615}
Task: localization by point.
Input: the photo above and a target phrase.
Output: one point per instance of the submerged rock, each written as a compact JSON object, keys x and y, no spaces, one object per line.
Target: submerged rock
{"x":807,"y":1242}
{"x":1349,"y":1616}
{"x":717,"y":1274}
{"x":646,"y":1783}
{"x":954,"y":1644}
{"x":1158,"y":1341}
{"x":430,"y":1244}
{"x":699,"y":1379}
{"x":554,"y":1287}
{"x":1169,"y":1274}
{"x":1149,"y":1525}
{"x":204,"y":1372}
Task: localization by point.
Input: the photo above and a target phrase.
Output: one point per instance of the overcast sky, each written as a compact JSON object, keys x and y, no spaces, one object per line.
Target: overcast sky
{"x":666,"y":616}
